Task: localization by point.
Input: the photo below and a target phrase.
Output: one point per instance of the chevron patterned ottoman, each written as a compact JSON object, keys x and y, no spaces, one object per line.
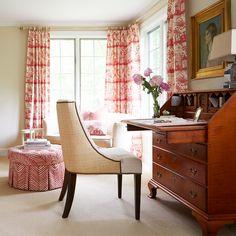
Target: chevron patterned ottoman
{"x":36,"y":170}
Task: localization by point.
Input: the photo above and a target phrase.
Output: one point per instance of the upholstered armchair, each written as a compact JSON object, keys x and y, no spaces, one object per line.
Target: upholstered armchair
{"x":50,"y":130}
{"x":82,"y":156}
{"x":108,"y":131}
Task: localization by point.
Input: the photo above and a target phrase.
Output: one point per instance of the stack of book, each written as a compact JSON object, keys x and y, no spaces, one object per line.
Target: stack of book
{"x":37,"y":144}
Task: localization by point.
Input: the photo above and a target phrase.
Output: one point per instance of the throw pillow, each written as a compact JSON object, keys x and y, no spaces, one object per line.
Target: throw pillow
{"x":96,"y":127}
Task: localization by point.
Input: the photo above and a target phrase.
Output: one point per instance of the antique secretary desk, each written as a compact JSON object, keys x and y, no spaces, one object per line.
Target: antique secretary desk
{"x":195,"y":162}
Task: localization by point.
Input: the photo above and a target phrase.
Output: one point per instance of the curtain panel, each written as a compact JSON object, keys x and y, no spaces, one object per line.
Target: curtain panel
{"x":123,"y":60}
{"x":37,"y":79}
{"x":176,"y":46}
{"x":122,"y":95}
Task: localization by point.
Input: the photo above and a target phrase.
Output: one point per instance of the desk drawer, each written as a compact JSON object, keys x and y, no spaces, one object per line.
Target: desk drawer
{"x":159,"y":138}
{"x":188,"y":190}
{"x":179,"y":136}
{"x":168,"y":179}
{"x":195,"y":151}
{"x":181,"y":165}
{"x":195,"y":194}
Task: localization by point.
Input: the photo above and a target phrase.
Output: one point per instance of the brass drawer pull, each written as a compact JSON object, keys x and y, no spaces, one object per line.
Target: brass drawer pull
{"x":193,"y":171}
{"x":158,"y":157}
{"x":159,"y":175}
{"x":192,"y":194}
{"x":158,"y":141}
{"x":193,"y":151}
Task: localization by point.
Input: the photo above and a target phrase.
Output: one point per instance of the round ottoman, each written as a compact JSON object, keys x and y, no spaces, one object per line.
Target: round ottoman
{"x":36,"y":170}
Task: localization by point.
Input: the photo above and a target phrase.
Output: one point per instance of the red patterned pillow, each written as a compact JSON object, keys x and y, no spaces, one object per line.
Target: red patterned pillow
{"x":96,"y":128}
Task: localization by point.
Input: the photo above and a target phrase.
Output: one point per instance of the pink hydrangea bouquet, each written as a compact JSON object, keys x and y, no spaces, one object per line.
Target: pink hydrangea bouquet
{"x":154,"y":85}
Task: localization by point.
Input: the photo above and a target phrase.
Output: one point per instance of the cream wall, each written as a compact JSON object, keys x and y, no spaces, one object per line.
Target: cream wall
{"x":192,"y":8}
{"x":12,"y":70}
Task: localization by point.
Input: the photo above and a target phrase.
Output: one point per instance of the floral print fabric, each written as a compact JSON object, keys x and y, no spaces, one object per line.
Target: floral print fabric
{"x":177,"y":46}
{"x":123,"y":60}
{"x":37,"y":85}
{"x":122,"y":95}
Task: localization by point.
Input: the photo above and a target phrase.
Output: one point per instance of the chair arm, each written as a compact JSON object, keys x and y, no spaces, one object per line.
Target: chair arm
{"x":53,"y":139}
{"x":120,"y":136}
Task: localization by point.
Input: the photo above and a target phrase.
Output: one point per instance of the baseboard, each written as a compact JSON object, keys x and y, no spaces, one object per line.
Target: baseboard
{"x":3,"y":152}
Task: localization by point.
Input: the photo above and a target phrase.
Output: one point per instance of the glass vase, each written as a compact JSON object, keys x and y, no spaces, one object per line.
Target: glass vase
{"x":156,"y":108}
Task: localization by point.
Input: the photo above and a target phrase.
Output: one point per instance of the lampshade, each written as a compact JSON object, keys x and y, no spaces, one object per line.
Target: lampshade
{"x":224,"y":46}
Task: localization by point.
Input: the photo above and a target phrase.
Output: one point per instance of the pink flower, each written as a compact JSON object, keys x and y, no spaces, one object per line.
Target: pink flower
{"x":138,"y":79}
{"x":156,"y":80}
{"x":147,"y":72}
{"x":165,"y":86}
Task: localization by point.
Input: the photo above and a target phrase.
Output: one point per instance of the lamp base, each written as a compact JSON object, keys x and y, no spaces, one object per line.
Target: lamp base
{"x":233,"y":73}
{"x":231,"y":84}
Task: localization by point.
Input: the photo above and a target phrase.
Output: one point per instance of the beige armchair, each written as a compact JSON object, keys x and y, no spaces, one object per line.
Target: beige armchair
{"x":50,"y":130}
{"x":82,"y":156}
{"x":117,"y":134}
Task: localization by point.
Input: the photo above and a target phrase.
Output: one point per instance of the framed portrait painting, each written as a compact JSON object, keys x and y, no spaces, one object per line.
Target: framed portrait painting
{"x":205,"y":25}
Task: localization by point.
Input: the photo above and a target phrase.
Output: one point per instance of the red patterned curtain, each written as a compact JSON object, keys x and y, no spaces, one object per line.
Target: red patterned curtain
{"x":177,"y":46}
{"x":122,"y":95}
{"x":123,"y":60}
{"x":37,"y":77}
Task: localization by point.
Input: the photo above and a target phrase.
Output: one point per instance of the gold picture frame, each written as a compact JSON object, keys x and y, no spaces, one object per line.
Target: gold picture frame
{"x":205,"y":25}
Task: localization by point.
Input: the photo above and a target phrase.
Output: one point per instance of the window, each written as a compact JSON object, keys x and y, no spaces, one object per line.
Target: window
{"x":77,"y":70}
{"x":154,"y":50}
{"x":153,"y":54}
{"x":62,"y":71}
{"x":92,"y":73}
{"x":157,"y":49}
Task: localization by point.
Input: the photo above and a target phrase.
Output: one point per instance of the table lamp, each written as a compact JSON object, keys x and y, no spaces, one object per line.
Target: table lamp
{"x":224,"y":49}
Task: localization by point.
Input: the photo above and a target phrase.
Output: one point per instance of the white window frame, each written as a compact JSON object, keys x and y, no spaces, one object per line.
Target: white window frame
{"x":77,"y":36}
{"x":52,"y":114}
{"x":91,"y":38}
{"x":155,"y":21}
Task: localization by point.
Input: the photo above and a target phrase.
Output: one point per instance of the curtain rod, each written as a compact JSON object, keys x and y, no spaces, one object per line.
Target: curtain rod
{"x":73,"y":28}
{"x":34,"y":27}
{"x":68,"y":28}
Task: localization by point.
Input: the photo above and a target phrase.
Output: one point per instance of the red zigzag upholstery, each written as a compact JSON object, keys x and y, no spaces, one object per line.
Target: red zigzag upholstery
{"x":36,"y":170}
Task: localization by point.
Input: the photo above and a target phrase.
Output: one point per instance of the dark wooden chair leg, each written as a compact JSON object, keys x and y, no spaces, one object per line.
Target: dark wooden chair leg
{"x":119,"y":178}
{"x":137,"y":194}
{"x":64,"y":186}
{"x":70,"y":194}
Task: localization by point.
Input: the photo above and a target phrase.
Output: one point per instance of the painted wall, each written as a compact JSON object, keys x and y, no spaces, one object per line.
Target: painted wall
{"x":192,"y":8}
{"x":12,"y":70}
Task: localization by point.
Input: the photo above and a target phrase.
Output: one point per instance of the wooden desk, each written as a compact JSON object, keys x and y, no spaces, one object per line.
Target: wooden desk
{"x":196,"y":164}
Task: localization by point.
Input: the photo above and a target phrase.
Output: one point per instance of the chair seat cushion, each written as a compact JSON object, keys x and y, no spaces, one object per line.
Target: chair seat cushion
{"x":130,"y":164}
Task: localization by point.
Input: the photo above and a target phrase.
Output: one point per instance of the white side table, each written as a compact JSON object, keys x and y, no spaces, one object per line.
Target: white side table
{"x":31,"y":132}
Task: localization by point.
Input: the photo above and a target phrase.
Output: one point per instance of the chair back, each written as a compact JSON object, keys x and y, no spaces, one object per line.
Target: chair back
{"x":80,"y":154}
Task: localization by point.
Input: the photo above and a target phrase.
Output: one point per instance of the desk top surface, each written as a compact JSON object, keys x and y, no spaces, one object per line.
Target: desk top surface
{"x":167,"y":123}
